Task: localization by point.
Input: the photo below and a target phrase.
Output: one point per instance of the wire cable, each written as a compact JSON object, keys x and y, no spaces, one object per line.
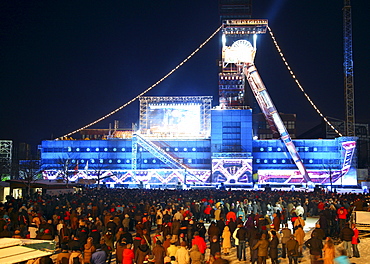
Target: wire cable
{"x":148,"y":89}
{"x":299,"y":84}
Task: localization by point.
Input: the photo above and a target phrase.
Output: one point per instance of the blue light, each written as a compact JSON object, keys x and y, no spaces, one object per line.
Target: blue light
{"x":283,"y":161}
{"x":265,"y":161}
{"x":128,"y":161}
{"x":123,"y":149}
{"x":262,"y":149}
{"x":314,"y":149}
{"x":167,"y":149}
{"x":92,"y":161}
{"x":274,"y":161}
{"x":105,"y":149}
{"x":185,"y":149}
{"x":114,"y":149}
{"x":278,"y":149}
{"x":154,"y":161}
{"x":110,"y":161}
{"x":82,"y":161}
{"x":97,"y":149}
{"x":69,"y":149}
{"x":145,"y":161}
{"x":258,"y":160}
{"x":194,"y":149}
{"x":77,"y":149}
{"x":310,"y":161}
{"x":269,"y":149}
{"x":176,"y":149}
{"x":87,"y":149}
{"x":101,"y":160}
{"x":119,"y":161}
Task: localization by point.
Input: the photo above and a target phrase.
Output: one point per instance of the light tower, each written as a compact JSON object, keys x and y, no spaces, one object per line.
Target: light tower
{"x":348,"y":70}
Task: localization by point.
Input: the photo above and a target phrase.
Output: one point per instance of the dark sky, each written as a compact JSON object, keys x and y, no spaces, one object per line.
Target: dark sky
{"x":64,"y":64}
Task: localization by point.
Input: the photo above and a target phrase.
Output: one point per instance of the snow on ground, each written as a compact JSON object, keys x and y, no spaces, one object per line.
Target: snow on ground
{"x":364,"y":248}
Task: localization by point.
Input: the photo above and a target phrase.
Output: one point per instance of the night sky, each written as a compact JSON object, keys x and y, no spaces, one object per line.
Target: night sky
{"x":65,"y":64}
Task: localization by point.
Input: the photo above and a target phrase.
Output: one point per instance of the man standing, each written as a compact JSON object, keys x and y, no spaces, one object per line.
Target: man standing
{"x":262,"y":246}
{"x":315,"y":246}
{"x":286,"y":233}
{"x":242,"y":236}
{"x":346,"y":235}
{"x":292,"y":249}
{"x":182,"y":254}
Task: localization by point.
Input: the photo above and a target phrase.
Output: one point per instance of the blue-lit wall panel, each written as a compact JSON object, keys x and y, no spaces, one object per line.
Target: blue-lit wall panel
{"x":231,"y":130}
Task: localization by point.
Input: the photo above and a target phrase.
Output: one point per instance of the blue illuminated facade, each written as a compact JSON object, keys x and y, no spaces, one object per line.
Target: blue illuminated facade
{"x":230,"y":156}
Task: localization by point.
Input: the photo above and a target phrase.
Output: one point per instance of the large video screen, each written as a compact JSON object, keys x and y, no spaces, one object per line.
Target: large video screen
{"x":175,"y":118}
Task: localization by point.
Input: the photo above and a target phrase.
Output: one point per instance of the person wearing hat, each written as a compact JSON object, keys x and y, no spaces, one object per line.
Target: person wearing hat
{"x":171,"y":250}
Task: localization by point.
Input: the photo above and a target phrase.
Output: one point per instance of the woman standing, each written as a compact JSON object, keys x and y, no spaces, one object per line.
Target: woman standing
{"x":226,"y":242}
{"x":329,"y":251}
{"x":355,"y":241}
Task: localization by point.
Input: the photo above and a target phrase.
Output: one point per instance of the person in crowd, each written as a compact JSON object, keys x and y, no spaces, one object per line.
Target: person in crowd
{"x":342,"y":258}
{"x":195,"y":256}
{"x":182,"y":254}
{"x":346,"y":235}
{"x":273,"y":252}
{"x":286,"y":233}
{"x":242,"y":239}
{"x":315,"y":246}
{"x":63,"y":256}
{"x":329,"y":251}
{"x":159,"y":253}
{"x":226,"y":241}
{"x":141,"y":253}
{"x":76,"y":256}
{"x":355,"y":241}
{"x":262,"y":246}
{"x":299,"y":235}
{"x":200,"y":242}
{"x":99,"y":256}
{"x":292,"y":247}
{"x":128,"y":255}
{"x":89,"y":249}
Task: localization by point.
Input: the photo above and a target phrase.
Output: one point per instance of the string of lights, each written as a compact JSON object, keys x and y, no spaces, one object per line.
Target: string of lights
{"x":299,"y":84}
{"x":147,"y":90}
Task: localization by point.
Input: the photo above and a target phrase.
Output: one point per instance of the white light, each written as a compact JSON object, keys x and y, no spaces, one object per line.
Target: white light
{"x":97,"y":149}
{"x":105,"y":149}
{"x":223,"y":40}
{"x":88,"y":149}
{"x":255,"y":41}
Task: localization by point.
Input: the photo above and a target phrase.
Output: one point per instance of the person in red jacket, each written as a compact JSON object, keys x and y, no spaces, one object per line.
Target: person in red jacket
{"x":342,"y":214}
{"x":207,"y":213}
{"x":128,"y":255}
{"x":200,"y":242}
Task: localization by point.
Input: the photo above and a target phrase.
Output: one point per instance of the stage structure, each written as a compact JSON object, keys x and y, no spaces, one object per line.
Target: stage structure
{"x":183,"y":141}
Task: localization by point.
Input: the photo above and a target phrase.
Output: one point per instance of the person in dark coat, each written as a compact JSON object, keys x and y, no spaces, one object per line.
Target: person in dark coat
{"x":254,"y":252}
{"x":292,"y":247}
{"x":346,"y":235}
{"x":159,"y":253}
{"x":141,"y":252}
{"x":241,"y":234}
{"x":214,"y":246}
{"x":315,"y":245}
{"x":274,"y":243}
{"x":262,"y":246}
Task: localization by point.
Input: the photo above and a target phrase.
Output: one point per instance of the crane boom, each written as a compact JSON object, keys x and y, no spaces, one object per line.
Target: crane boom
{"x":269,"y":109}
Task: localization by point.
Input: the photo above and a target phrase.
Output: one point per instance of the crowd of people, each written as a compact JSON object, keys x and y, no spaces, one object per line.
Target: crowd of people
{"x":185,"y":226}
